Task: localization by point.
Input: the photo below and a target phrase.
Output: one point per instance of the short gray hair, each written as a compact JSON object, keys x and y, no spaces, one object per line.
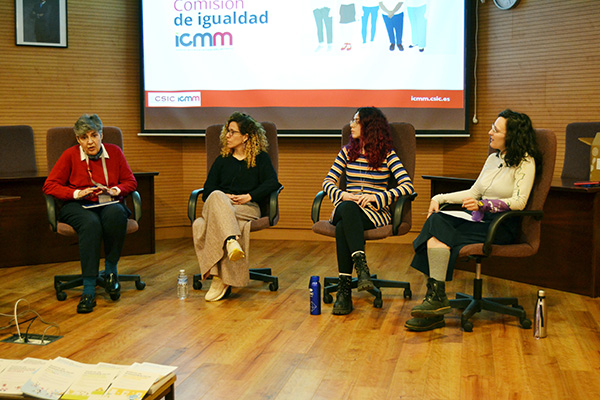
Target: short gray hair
{"x":87,"y":123}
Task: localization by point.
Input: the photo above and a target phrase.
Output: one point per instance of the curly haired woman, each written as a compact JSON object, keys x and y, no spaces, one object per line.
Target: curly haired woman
{"x":368,"y":161}
{"x":239,"y":180}
{"x":503,"y":184}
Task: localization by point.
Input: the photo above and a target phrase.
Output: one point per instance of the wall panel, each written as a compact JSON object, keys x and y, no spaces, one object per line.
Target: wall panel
{"x":541,"y":58}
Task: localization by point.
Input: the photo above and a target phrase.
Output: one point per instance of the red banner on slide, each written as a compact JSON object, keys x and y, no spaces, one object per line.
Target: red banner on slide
{"x":334,"y":98}
{"x":322,"y":98}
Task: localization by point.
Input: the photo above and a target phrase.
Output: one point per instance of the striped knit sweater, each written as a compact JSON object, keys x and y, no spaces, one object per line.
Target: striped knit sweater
{"x":361,"y":178}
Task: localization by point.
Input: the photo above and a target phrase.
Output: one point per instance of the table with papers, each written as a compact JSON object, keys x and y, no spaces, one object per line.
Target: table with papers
{"x":65,"y":379}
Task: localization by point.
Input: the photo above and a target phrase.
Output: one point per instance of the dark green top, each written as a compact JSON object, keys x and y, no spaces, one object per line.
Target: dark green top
{"x":233,"y":176}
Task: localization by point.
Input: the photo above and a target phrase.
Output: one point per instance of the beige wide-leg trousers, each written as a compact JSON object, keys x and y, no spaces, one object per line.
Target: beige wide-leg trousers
{"x":220,"y":220}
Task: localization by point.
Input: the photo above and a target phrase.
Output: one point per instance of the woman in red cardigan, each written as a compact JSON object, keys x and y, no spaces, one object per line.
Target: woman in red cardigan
{"x":93,"y":173}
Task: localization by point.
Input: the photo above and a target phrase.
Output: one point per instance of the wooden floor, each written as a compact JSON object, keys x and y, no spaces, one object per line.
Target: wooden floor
{"x":265,"y":345}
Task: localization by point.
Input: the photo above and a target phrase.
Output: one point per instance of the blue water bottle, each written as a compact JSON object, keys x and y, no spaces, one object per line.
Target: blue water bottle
{"x":314,"y":288}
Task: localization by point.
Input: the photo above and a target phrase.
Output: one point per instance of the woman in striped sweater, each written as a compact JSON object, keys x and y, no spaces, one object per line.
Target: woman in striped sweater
{"x":368,"y":161}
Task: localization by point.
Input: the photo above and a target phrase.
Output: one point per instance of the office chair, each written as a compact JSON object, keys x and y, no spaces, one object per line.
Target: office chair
{"x":527,"y":244}
{"x":269,"y":208}
{"x":576,"y":164}
{"x":405,"y":144}
{"x":17,"y":151}
{"x":57,"y":141}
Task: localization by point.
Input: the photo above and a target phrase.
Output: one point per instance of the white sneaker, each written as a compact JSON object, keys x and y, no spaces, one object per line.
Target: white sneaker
{"x":217,"y":289}
{"x":234,"y":250}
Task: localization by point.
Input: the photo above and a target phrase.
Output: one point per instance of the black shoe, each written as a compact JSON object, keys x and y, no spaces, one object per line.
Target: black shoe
{"x":86,"y":304}
{"x":392,"y":47}
{"x":112,"y":285}
{"x":436,"y":302}
{"x":424,"y":324}
{"x":400,"y":47}
{"x":343,"y":300}
{"x":362,"y":271}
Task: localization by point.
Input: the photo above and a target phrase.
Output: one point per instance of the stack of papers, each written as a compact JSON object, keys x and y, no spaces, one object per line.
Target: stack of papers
{"x":15,"y":373}
{"x":135,"y":381}
{"x":62,"y":378}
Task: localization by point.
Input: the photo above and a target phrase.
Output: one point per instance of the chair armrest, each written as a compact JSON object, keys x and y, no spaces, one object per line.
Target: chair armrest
{"x":398,"y":211}
{"x":272,"y":206}
{"x":491,"y":235}
{"x":316,"y":206}
{"x":137,"y":205}
{"x":52,"y":212}
{"x":192,"y":203}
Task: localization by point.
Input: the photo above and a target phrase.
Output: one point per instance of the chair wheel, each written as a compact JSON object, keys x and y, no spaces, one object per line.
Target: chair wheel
{"x":327,"y":298}
{"x":273,"y":286}
{"x":377,"y":303}
{"x":197,"y":285}
{"x":525,"y":323}
{"x":61,"y":296}
{"x":139,"y":285}
{"x":407,"y":294}
{"x":115,"y":296}
{"x":467,"y":326}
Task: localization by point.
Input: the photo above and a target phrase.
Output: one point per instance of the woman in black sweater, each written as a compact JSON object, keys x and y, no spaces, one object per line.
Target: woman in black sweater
{"x":239,"y":180}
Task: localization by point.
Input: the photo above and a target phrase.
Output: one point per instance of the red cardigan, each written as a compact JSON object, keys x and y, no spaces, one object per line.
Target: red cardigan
{"x":70,"y":173}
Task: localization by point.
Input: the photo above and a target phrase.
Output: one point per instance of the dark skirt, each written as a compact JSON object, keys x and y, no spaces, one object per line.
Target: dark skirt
{"x":456,"y":233}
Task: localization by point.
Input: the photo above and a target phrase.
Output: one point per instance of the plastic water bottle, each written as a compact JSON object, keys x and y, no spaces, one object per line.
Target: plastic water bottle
{"x":539,"y":330}
{"x":314,"y":287}
{"x":182,"y":285}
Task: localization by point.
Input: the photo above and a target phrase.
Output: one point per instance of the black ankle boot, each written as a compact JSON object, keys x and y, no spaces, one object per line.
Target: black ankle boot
{"x":362,"y":271}
{"x":436,"y":302}
{"x":343,"y":300}
{"x":425,"y":324}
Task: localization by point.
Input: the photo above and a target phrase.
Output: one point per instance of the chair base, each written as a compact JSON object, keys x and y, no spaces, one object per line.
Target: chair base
{"x":64,"y":282}
{"x":330,"y":285}
{"x":256,"y":274}
{"x":476,"y":303}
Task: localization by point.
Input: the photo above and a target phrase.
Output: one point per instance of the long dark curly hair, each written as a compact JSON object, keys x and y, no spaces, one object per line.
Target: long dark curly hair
{"x":375,"y":140}
{"x":257,"y":138}
{"x":520,"y":139}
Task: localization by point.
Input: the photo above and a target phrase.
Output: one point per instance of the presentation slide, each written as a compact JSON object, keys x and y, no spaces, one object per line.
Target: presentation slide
{"x":305,"y":65}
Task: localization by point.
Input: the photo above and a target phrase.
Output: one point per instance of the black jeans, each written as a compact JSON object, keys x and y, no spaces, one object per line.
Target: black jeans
{"x":93,"y":226}
{"x":350,"y":224}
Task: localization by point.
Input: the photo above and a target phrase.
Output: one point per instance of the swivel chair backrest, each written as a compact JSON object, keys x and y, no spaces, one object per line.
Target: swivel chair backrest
{"x":17,"y":151}
{"x":61,"y":138}
{"x":546,"y":141}
{"x":576,"y":164}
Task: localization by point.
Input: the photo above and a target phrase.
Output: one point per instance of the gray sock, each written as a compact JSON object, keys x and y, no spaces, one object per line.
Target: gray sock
{"x":438,"y":263}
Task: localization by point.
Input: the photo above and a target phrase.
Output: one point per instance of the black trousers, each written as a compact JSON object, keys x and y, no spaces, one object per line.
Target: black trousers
{"x":106,"y":224}
{"x":350,"y":224}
